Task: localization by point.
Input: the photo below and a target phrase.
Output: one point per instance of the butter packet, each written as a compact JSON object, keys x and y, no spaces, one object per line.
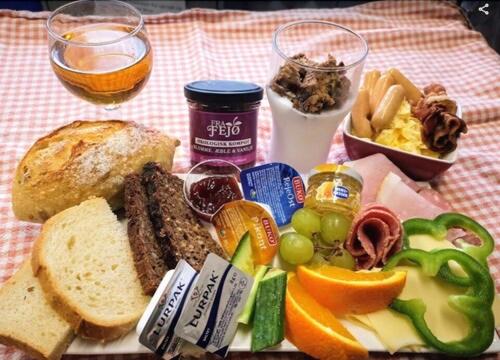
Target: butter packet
{"x":157,"y":324}
{"x":210,"y":317}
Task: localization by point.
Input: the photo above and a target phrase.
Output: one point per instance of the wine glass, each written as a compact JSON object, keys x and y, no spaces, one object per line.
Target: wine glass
{"x":311,"y":60}
{"x":100,"y":51}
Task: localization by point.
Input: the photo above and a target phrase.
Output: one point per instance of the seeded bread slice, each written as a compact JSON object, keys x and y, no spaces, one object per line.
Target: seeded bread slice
{"x":148,"y":256}
{"x":178,"y":230}
{"x":84,"y":262}
{"x":27,"y":320}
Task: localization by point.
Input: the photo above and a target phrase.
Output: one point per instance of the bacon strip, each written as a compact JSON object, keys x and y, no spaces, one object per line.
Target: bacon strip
{"x":375,"y":236}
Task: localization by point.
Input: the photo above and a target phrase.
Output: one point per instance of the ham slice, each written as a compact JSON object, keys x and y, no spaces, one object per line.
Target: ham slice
{"x":404,"y":201}
{"x":374,"y":169}
{"x":376,"y":234}
{"x":435,"y":198}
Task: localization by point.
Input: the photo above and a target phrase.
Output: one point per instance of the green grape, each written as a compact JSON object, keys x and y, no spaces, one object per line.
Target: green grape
{"x":334,"y":227}
{"x":343,"y":260}
{"x":306,"y":222}
{"x":295,"y":248}
{"x":318,"y":259}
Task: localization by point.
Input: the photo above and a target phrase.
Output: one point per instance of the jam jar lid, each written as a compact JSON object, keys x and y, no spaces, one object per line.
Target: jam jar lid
{"x":223,"y":92}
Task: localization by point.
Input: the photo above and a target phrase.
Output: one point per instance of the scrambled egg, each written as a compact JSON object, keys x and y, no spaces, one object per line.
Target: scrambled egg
{"x":404,"y":133}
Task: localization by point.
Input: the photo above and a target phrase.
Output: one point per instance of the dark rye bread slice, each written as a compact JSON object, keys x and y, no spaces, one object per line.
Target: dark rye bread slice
{"x":148,"y":256}
{"x":178,"y":230}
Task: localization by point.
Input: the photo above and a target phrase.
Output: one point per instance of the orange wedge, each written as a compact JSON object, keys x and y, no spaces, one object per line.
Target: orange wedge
{"x":314,"y":330}
{"x":344,"y":291}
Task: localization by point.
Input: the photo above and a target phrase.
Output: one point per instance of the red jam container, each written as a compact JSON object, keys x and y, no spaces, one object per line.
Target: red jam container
{"x":223,"y":121}
{"x":210,"y":184}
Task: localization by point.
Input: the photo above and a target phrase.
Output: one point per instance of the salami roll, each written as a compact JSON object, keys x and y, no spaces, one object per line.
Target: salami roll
{"x":376,"y":234}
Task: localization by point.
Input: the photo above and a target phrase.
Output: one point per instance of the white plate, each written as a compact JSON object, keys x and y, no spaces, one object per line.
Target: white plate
{"x":129,"y":344}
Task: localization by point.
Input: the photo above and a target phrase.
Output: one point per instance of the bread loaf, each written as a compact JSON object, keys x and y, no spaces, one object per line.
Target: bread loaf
{"x":82,"y":160}
{"x":84,"y":262}
{"x":28,"y":321}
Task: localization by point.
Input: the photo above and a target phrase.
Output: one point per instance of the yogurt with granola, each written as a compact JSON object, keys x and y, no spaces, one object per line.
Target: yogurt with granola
{"x":308,"y":102}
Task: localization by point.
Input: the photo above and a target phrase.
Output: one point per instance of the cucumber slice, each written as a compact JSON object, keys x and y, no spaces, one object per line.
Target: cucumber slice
{"x":246,"y":315}
{"x":242,"y":257}
{"x":269,"y":315}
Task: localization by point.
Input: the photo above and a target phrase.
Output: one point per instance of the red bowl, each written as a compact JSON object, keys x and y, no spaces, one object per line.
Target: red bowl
{"x":418,"y":167}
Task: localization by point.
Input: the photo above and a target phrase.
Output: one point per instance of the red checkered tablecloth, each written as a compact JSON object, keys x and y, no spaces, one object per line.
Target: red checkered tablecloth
{"x":428,"y":41}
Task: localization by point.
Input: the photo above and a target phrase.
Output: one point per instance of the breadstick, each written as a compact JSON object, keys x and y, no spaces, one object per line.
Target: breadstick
{"x":383,"y":83}
{"x":370,"y":80}
{"x":360,"y":124}
{"x":413,"y":94}
{"x":388,"y":107}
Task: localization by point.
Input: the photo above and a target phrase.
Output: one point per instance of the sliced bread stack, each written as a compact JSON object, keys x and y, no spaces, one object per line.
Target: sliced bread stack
{"x":81,"y":279}
{"x":85,"y":266}
{"x":162,"y":228}
{"x":28,"y":321}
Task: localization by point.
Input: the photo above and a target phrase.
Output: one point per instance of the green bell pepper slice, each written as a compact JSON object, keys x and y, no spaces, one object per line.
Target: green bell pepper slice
{"x":438,"y":228}
{"x":475,"y":303}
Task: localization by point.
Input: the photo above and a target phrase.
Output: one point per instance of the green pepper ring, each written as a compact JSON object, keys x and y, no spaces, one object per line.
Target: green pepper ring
{"x":438,"y":228}
{"x":475,"y":304}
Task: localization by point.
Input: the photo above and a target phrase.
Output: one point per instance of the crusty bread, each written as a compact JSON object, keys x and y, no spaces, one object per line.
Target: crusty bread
{"x":84,"y":262}
{"x":82,"y":160}
{"x":28,"y":321}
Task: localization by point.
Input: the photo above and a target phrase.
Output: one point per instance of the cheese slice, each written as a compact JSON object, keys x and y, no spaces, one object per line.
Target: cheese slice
{"x":393,"y":330}
{"x":396,"y":331}
{"x":428,"y":243}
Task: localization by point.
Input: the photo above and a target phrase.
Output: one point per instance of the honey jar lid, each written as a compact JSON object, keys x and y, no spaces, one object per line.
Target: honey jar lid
{"x":339,"y":169}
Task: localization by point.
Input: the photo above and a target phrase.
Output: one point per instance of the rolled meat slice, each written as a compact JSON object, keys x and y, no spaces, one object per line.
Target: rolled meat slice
{"x":376,"y":234}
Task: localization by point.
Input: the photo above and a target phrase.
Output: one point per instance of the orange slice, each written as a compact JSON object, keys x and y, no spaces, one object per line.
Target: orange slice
{"x":314,"y":330}
{"x":344,"y":291}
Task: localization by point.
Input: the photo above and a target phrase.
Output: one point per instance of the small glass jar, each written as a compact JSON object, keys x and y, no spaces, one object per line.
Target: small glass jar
{"x":334,"y":188}
{"x":223,"y":121}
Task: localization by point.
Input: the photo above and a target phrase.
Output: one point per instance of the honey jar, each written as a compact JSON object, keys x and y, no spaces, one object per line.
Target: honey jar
{"x":334,"y":188}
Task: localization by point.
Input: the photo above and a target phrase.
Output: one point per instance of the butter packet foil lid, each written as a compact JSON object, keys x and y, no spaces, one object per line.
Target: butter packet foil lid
{"x":210,"y":316}
{"x":278,"y":185}
{"x":156,"y":327}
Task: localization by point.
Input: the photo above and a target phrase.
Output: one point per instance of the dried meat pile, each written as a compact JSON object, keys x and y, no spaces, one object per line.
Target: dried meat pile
{"x":441,"y":128}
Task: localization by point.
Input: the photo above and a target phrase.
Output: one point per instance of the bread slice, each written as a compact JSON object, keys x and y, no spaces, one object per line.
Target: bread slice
{"x":84,"y":262}
{"x":28,"y":321}
{"x":178,"y":230}
{"x":148,"y":256}
{"x":82,"y":160}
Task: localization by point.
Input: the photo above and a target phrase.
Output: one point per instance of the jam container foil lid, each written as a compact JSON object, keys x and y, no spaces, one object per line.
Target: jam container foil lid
{"x":235,"y":218}
{"x":223,"y":92}
{"x":277,"y":185}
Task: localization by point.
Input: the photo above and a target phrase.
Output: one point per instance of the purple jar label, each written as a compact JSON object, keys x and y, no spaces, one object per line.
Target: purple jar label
{"x":228,"y":136}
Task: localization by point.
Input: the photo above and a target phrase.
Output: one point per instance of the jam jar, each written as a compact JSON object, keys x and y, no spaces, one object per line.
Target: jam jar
{"x":223,"y":120}
{"x":334,"y":188}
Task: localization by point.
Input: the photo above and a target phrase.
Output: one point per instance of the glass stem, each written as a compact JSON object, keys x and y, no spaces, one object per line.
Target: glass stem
{"x":109,"y":112}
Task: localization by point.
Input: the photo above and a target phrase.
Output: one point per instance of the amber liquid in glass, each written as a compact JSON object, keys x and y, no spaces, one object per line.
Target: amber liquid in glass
{"x":103,"y":74}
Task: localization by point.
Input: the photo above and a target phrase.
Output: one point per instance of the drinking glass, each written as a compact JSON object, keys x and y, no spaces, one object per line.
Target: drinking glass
{"x":100,"y":51}
{"x":301,"y":138}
